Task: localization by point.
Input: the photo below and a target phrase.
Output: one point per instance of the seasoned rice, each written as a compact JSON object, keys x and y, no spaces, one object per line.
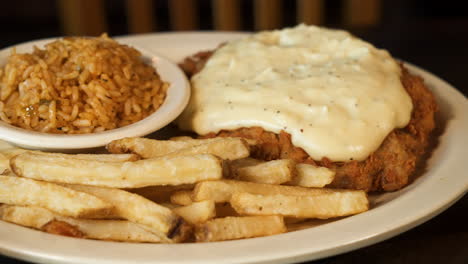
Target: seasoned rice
{"x":78,"y":85}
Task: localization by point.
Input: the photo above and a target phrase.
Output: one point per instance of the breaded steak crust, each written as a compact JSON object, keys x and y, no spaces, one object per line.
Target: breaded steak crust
{"x":389,"y":168}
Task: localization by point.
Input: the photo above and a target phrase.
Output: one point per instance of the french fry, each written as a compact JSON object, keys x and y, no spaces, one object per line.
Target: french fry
{"x":11,"y":152}
{"x":160,"y":194}
{"x":182,"y":197}
{"x":141,"y":173}
{"x":135,"y":208}
{"x":5,"y":155}
{"x":42,"y":219}
{"x":322,"y":206}
{"x":221,"y":190}
{"x":198,"y":212}
{"x":62,"y":228}
{"x":100,"y":157}
{"x":312,"y":176}
{"x":271,"y":172}
{"x":22,"y":191}
{"x":225,"y":148}
{"x":149,"y":148}
{"x":229,"y":228}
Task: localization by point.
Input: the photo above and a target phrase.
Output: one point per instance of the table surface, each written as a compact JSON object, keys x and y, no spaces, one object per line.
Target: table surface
{"x":443,"y":239}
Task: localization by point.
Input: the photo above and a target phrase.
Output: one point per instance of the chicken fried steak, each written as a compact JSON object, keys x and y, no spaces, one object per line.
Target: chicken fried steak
{"x":388,"y":168}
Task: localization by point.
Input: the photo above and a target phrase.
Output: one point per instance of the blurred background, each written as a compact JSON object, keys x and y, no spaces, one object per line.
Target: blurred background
{"x":432,"y":34}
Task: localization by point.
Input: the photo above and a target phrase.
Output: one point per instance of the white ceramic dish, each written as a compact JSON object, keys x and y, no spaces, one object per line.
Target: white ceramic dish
{"x":177,"y":98}
{"x":444,"y":183}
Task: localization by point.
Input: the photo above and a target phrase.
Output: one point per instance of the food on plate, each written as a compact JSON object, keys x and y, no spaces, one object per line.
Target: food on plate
{"x":42,"y":219}
{"x":161,"y":220}
{"x":322,"y":206}
{"x":317,"y":96}
{"x":96,"y":157}
{"x":288,"y":121}
{"x":99,"y":157}
{"x":229,"y":228}
{"x":180,"y":197}
{"x":272,"y":172}
{"x":312,"y":176}
{"x":158,"y":171}
{"x":280,"y":171}
{"x":183,"y":197}
{"x":225,"y":148}
{"x":28,"y":192}
{"x":222,"y":190}
{"x":197,"y":212}
{"x":8,"y":153}
{"x":78,"y":85}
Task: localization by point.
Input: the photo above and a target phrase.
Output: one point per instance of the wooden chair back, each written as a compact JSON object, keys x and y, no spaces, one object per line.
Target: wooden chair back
{"x":88,"y":17}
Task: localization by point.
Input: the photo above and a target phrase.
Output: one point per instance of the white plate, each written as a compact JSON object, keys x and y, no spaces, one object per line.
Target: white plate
{"x":444,"y":183}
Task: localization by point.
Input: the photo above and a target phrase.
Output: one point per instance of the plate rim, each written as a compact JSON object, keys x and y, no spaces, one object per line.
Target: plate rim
{"x":398,"y":226}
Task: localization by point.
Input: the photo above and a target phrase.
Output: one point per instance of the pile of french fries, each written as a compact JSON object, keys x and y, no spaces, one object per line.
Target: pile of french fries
{"x":168,"y":191}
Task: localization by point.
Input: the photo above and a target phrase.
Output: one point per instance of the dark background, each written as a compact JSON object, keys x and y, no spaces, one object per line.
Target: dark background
{"x":431,"y":34}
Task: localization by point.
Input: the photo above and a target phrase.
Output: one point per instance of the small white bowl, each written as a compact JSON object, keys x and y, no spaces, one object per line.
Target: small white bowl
{"x":177,"y":97}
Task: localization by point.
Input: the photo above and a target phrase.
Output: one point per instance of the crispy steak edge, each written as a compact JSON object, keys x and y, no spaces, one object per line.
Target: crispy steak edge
{"x":389,"y":168}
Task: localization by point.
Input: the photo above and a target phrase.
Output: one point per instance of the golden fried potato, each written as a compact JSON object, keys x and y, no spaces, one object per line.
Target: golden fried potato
{"x":62,"y":200}
{"x":115,"y":230}
{"x":225,"y":148}
{"x":141,"y":173}
{"x":229,"y":228}
{"x":222,"y":190}
{"x":271,"y":172}
{"x":312,"y":176}
{"x":135,"y":208}
{"x":183,"y":197}
{"x":323,"y":206}
{"x":197,"y":212}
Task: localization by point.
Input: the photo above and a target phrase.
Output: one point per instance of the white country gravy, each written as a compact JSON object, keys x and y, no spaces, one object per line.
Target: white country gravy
{"x":336,"y":95}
